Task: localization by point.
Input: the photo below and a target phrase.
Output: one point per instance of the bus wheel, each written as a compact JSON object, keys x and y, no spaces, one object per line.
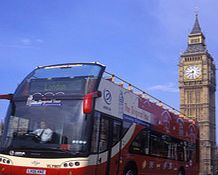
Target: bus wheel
{"x":130,"y":170}
{"x":181,"y":172}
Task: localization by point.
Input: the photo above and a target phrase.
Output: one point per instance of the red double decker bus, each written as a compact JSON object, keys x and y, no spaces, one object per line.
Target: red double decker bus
{"x":73,"y":119}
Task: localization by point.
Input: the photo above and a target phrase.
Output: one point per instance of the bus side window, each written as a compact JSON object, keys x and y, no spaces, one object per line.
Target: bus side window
{"x":95,"y":133}
{"x":173,"y":151}
{"x":155,"y":145}
{"x":116,"y":131}
{"x":103,"y":128}
{"x":104,"y":134}
{"x":190,"y":148}
{"x":140,"y":143}
{"x":165,"y":146}
{"x":180,"y":151}
{"x":145,"y":140}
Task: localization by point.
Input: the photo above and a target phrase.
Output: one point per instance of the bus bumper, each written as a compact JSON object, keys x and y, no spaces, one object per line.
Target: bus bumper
{"x":16,"y":170}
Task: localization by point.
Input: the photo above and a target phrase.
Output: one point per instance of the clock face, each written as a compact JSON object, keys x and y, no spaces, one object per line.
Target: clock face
{"x":192,"y":72}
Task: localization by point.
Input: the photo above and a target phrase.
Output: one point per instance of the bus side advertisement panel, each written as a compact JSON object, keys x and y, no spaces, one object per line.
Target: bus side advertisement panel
{"x":118,"y":101}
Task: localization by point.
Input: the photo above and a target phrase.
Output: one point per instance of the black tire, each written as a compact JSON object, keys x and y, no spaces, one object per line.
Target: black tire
{"x":181,"y":172}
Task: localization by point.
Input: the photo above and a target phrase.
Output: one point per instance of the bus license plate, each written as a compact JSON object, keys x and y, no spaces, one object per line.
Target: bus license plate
{"x":34,"y":171}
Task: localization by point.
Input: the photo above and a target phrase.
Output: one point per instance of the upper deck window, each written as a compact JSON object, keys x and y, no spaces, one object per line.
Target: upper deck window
{"x":69,"y":79}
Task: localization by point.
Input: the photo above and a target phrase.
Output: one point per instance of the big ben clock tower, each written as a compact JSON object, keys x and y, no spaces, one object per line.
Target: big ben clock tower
{"x":197,"y":84}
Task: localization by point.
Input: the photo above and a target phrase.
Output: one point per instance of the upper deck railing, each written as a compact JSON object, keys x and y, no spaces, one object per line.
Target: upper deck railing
{"x":143,"y":94}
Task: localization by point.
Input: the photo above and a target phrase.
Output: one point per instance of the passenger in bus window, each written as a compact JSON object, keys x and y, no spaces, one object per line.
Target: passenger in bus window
{"x":44,"y":132}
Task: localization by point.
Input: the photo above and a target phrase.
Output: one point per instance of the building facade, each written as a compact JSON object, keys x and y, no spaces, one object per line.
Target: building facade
{"x":197,"y":84}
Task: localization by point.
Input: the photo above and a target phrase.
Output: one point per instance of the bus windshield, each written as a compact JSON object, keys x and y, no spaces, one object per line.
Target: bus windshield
{"x":62,"y":80}
{"x":62,"y":127}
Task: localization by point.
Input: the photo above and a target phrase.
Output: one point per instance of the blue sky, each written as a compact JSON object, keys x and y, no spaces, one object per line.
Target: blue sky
{"x":138,"y":40}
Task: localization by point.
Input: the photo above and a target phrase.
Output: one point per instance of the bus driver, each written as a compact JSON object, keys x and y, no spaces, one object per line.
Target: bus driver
{"x":44,"y":132}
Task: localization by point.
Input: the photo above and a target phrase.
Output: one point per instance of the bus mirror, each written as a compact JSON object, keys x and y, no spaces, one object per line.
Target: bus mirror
{"x":6,"y":96}
{"x":88,"y":101}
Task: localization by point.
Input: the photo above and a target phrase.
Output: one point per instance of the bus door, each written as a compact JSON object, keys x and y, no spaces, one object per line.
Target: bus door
{"x":108,"y":146}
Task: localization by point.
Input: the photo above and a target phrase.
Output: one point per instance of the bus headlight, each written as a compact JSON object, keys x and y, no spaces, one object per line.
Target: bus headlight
{"x":6,"y":161}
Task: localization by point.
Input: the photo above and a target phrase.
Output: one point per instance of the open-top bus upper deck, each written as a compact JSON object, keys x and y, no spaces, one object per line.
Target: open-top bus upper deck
{"x":125,"y":101}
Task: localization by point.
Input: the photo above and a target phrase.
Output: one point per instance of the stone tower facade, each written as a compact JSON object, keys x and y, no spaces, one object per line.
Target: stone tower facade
{"x":197,"y":84}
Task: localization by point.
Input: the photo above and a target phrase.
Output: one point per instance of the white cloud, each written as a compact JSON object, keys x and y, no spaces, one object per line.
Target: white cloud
{"x":26,"y":41}
{"x":29,"y":42}
{"x":19,"y":46}
{"x":170,"y":87}
{"x":39,"y":40}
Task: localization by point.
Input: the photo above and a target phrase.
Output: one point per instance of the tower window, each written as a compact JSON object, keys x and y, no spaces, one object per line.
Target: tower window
{"x":196,"y":40}
{"x":197,"y":96}
{"x":189,"y":97}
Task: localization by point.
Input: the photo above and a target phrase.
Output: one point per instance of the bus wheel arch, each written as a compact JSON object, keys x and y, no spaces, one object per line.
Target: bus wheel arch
{"x":130,"y":168}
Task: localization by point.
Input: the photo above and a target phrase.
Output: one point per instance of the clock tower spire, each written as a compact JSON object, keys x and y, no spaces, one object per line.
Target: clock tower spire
{"x":196,"y":28}
{"x":197,"y":84}
{"x":196,"y":39}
